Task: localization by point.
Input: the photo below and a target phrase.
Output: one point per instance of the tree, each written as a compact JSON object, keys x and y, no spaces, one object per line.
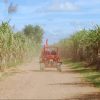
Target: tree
{"x":34,"y":32}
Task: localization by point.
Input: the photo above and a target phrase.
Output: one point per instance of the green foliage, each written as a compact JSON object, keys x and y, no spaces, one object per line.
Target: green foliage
{"x":82,"y":45}
{"x":35,"y":33}
{"x":90,"y":75}
{"x":14,"y":47}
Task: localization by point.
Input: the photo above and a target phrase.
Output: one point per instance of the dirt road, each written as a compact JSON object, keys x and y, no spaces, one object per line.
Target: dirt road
{"x":28,"y":82}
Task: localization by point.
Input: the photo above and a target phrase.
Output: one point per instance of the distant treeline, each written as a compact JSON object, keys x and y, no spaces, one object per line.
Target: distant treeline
{"x":17,"y":47}
{"x":83,"y":45}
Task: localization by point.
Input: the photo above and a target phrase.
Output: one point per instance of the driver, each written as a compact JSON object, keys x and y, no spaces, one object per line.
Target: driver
{"x":53,"y":52}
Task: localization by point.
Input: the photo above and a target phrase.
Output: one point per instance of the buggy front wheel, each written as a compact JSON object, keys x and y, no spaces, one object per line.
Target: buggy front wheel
{"x":59,"y":68}
{"x":41,"y":66}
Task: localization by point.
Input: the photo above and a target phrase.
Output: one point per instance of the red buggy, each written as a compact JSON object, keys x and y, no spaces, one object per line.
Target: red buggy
{"x":50,"y":58}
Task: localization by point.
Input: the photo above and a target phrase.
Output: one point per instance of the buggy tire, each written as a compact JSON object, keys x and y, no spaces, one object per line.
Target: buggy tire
{"x":42,"y":68}
{"x":59,"y":68}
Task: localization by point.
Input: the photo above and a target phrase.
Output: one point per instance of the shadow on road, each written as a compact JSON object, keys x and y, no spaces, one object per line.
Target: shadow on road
{"x":73,"y":83}
{"x":92,"y":96}
{"x":28,"y":71}
{"x":69,"y":71}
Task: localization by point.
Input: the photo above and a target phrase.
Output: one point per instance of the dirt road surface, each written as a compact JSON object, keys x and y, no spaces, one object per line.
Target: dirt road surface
{"x":28,"y":82}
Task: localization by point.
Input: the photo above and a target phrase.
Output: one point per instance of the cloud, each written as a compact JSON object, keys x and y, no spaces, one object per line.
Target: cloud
{"x":58,"y":6}
{"x":5,"y":1}
{"x":88,"y":2}
{"x":24,"y":9}
{"x":63,"y":6}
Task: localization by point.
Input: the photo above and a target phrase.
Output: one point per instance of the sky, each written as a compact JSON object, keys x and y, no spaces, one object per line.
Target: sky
{"x":58,"y":18}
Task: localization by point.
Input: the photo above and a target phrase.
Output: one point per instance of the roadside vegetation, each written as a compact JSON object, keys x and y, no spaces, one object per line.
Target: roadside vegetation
{"x":90,"y":74}
{"x":82,"y":51}
{"x":18,"y":47}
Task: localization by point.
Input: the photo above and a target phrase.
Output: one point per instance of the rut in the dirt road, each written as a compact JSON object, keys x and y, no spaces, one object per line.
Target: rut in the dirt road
{"x":29,"y":82}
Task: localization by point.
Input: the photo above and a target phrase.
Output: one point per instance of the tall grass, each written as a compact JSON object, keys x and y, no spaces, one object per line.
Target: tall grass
{"x":15,"y":47}
{"x":83,"y":45}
